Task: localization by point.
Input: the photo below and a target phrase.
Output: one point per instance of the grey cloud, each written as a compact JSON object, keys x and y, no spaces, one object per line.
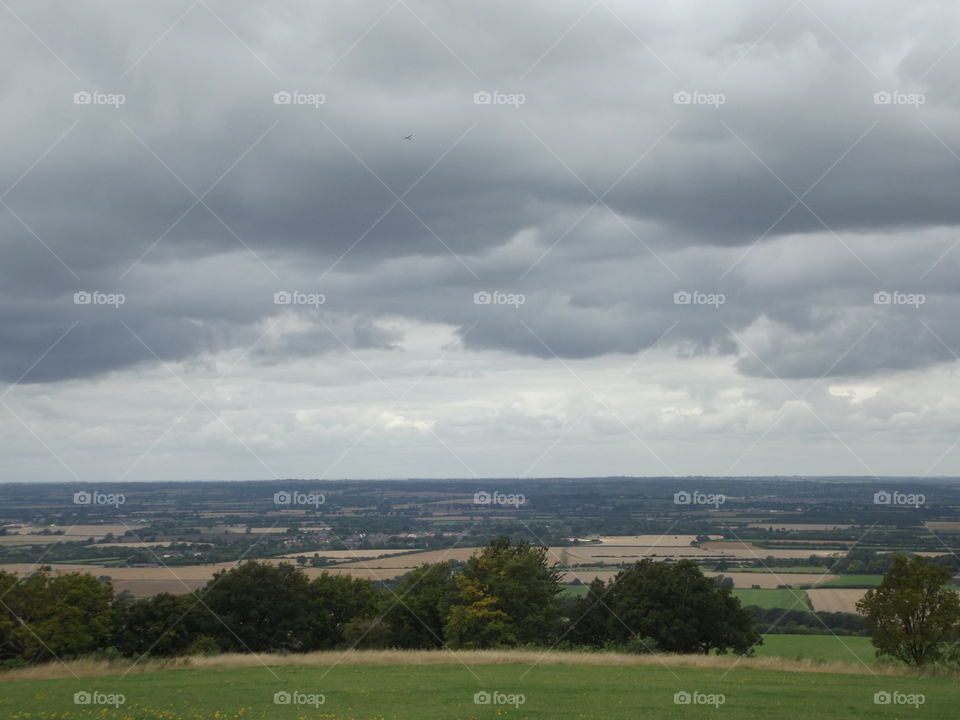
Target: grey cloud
{"x":303,"y":203}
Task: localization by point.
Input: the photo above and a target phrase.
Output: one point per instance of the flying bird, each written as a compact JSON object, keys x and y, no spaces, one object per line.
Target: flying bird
{"x":408,"y":137}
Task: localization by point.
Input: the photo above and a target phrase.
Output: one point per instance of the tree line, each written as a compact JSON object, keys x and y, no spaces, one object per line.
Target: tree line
{"x":506,"y":595}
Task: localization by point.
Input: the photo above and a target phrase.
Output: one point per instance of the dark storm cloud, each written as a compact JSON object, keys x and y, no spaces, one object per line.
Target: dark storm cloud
{"x":494,"y":197}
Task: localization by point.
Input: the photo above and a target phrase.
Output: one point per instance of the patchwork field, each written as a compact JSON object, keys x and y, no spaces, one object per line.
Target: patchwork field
{"x":584,"y":562}
{"x":786,"y":599}
{"x":417,"y":685}
{"x":851,"y":581}
{"x":81,"y":532}
{"x":944,"y":526}
{"x":749,"y":551}
{"x":770,"y":580}
{"x":835,"y":600}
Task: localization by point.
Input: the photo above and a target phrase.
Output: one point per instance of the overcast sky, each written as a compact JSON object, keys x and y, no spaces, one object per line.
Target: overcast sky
{"x":714,"y":238}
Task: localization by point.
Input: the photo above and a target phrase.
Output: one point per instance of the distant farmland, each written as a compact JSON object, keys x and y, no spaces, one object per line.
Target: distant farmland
{"x":601,"y":560}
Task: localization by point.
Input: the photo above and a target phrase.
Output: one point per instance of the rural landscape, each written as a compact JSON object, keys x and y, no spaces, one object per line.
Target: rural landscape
{"x":432,"y":360}
{"x":345,"y":595}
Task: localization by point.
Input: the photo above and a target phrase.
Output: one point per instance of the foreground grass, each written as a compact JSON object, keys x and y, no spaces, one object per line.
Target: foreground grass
{"x":394,"y":685}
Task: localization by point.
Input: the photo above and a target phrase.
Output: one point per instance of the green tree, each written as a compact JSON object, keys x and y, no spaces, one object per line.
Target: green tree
{"x":162,"y":625}
{"x":514,"y":589}
{"x":911,"y":616}
{"x":46,"y":617}
{"x":478,"y":622}
{"x":678,"y":608}
{"x":258,"y":607}
{"x":590,"y":616}
{"x":8,"y":646}
{"x":337,"y":602}
{"x":415,"y":617}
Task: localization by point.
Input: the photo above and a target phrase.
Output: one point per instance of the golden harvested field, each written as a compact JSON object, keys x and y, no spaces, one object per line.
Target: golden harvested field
{"x":628,"y":552}
{"x":413,"y":560}
{"x":589,"y":554}
{"x":610,"y":554}
{"x":836,"y":600}
{"x":85,"y":531}
{"x":147,"y":581}
{"x":188,"y":572}
{"x":944,"y":526}
{"x":242,"y":529}
{"x":749,"y":551}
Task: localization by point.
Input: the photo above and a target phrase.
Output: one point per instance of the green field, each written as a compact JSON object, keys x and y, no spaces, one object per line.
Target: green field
{"x":821,"y":648}
{"x":793,"y":599}
{"x":550,"y":691}
{"x":574,"y":590}
{"x":851,"y":581}
{"x":783,"y":570}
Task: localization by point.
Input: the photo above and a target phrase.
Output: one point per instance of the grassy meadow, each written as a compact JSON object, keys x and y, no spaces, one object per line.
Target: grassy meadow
{"x":395,"y":685}
{"x":818,"y":648}
{"x":792,"y":599}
